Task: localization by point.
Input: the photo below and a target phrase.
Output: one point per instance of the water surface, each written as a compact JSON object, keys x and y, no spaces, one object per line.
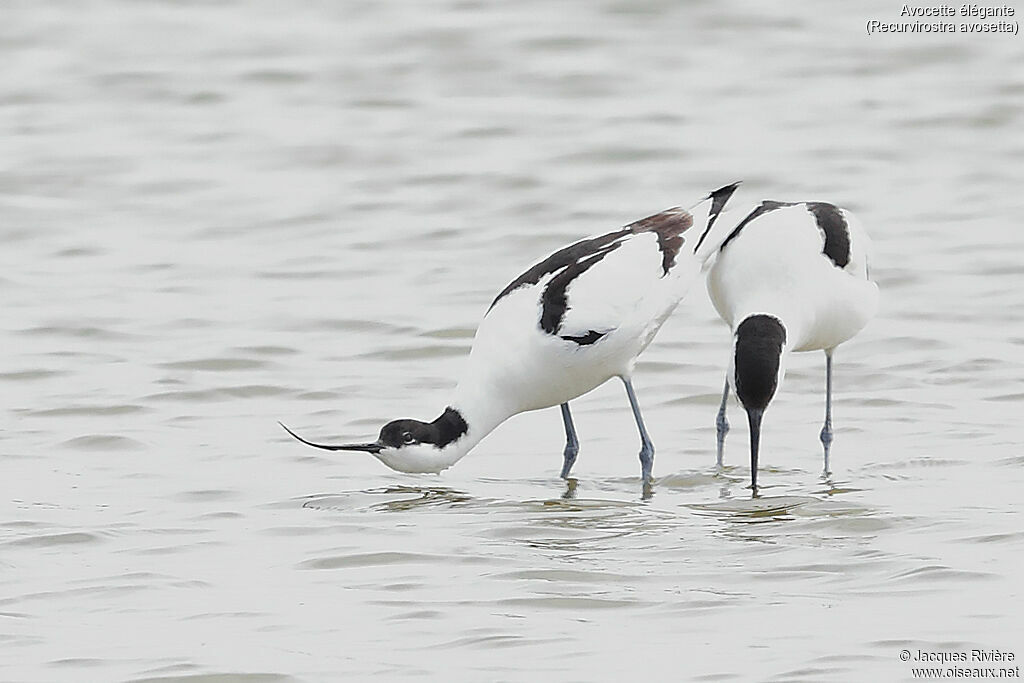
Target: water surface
{"x":220,"y":214}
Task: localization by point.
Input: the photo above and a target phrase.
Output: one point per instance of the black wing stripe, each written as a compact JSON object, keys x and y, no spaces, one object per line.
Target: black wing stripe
{"x":833,"y":227}
{"x":570,"y":262}
{"x":559,"y":260}
{"x":554,"y":302}
{"x":766,"y":206}
{"x":585,"y":339}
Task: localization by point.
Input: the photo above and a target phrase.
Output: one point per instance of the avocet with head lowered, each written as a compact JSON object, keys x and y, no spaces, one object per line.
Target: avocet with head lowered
{"x":565,"y":326}
{"x":788,"y":277}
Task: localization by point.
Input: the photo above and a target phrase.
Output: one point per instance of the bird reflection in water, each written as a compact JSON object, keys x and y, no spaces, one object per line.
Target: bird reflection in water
{"x":572,"y":489}
{"x":413,"y":497}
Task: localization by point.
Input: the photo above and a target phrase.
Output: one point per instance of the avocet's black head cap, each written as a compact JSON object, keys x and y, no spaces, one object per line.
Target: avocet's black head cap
{"x":759,"y":342}
{"x":405,"y":433}
{"x":439,"y":433}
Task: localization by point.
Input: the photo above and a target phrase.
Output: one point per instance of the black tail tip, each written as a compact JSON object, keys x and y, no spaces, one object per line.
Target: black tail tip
{"x":723,"y":193}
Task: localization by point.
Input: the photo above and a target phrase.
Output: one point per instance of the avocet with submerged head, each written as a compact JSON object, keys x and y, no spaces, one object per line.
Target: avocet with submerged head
{"x":788,"y":277}
{"x":565,"y":326}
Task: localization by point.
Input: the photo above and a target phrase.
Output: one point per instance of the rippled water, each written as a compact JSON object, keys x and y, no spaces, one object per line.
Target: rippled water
{"x":215,"y":215}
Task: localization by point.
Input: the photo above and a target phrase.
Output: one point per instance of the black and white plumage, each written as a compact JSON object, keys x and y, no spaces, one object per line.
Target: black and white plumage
{"x":568,"y":324}
{"x":788,"y":277}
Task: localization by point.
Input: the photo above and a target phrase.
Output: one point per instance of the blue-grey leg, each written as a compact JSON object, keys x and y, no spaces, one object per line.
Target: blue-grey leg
{"x":572,"y":443}
{"x":646,"y":447}
{"x":826,"y":431}
{"x":722,"y":423}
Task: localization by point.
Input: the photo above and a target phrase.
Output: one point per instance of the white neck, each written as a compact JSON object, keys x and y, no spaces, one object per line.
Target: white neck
{"x":482,"y":409}
{"x":481,"y":413}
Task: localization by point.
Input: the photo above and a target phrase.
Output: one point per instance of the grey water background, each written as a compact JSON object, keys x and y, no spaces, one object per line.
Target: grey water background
{"x":215,"y":215}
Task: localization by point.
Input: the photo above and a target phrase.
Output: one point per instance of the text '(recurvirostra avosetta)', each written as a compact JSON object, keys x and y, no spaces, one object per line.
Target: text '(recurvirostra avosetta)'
{"x":973,"y":19}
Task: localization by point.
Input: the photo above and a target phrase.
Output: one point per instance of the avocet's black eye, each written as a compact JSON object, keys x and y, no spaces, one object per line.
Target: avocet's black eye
{"x":408,"y":437}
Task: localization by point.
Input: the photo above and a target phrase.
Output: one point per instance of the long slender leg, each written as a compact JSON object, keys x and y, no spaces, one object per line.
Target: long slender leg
{"x":646,"y":447}
{"x":722,"y":423}
{"x":826,"y":431}
{"x":572,"y":443}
